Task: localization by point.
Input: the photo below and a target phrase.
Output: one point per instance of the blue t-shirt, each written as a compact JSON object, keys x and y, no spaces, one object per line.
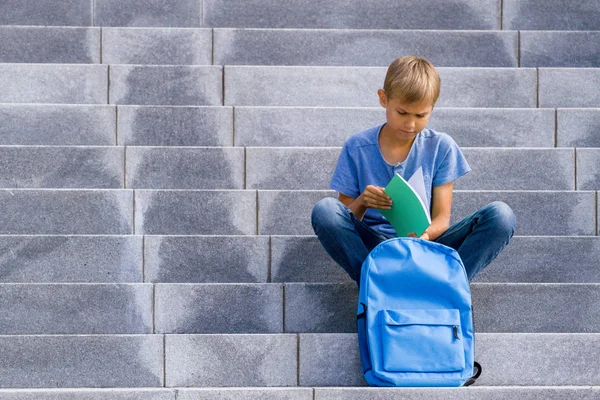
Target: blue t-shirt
{"x":361,"y":164}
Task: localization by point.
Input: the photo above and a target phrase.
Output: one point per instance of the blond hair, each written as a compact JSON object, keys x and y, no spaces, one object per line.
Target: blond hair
{"x":412,"y":80}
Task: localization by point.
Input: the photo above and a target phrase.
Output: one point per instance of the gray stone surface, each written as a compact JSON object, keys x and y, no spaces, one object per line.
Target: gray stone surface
{"x":330,"y":360}
{"x":175,"y":126}
{"x":206,"y":259}
{"x":186,"y":212}
{"x":583,"y":15}
{"x":49,"y":45}
{"x":467,"y":393}
{"x":588,"y":165}
{"x":231,"y":360}
{"x":396,"y":14}
{"x":85,"y":212}
{"x":518,"y":169}
{"x":52,"y":83}
{"x":219,"y":308}
{"x":246,"y":394}
{"x":560,"y":49}
{"x":156,"y":46}
{"x":184,"y":13}
{"x":166,"y":85}
{"x":569,"y":87}
{"x":573,"y":213}
{"x":287,"y":212}
{"x":547,"y":213}
{"x":71,"y":259}
{"x":520,"y":359}
{"x":93,"y":361}
{"x":364,"y":47}
{"x":75,"y":308}
{"x":357,"y":86}
{"x":548,"y":307}
{"x":46,"y":12}
{"x":87,"y":394}
{"x":61,"y":167}
{"x":303,"y":259}
{"x":290,"y":168}
{"x":492,"y":168}
{"x":328,"y":126}
{"x":185,"y":168}
{"x":578,"y":127}
{"x":320,"y":307}
{"x":63,"y":125}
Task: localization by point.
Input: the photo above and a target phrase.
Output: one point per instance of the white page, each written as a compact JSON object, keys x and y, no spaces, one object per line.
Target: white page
{"x":418,"y":183}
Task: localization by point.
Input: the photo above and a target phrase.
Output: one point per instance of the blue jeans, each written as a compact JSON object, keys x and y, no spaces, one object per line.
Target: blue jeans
{"x":478,"y":238}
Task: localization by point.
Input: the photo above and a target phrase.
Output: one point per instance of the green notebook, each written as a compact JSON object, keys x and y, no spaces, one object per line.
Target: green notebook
{"x":408,"y":213}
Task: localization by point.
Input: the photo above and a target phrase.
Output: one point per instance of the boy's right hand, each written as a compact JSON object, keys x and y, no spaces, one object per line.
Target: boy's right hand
{"x":375,"y":197}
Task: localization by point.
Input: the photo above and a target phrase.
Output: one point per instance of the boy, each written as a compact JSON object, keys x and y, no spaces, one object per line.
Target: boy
{"x":350,"y":227}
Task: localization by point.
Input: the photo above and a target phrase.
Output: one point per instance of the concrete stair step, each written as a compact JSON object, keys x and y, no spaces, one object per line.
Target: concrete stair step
{"x":46,"y":12}
{"x":550,"y":15}
{"x":527,"y":259}
{"x":492,"y":168}
{"x":183,"y":13}
{"x":559,"y":48}
{"x":364,"y":47}
{"x":351,"y":86}
{"x":573,"y":212}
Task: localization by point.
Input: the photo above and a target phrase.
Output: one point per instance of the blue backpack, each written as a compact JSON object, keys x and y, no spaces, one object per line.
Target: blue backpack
{"x":415,"y":322}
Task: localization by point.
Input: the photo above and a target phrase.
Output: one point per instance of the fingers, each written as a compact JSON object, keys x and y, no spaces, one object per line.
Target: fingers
{"x":375,"y":197}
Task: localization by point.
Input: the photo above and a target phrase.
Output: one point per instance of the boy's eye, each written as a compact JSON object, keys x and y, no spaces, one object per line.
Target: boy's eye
{"x":401,"y":113}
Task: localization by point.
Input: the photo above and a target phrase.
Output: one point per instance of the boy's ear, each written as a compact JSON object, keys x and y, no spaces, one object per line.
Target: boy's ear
{"x":382,"y":98}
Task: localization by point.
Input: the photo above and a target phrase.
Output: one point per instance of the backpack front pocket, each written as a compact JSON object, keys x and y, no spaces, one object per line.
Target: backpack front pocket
{"x":422,"y":340}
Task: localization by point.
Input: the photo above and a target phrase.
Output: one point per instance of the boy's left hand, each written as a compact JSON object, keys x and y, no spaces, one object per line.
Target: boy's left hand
{"x":425,"y":235}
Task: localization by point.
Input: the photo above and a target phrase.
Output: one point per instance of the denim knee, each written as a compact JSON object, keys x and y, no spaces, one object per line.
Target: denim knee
{"x":503,"y":216}
{"x":326,"y":213}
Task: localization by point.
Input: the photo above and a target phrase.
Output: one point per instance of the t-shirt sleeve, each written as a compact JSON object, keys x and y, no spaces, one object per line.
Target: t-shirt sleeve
{"x":453,"y":164}
{"x":345,"y":175}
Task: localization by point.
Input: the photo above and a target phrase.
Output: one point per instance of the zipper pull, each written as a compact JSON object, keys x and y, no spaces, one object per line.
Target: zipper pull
{"x":456,"y":331}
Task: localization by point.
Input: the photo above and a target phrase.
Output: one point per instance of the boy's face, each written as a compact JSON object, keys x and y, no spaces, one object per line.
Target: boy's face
{"x":406,"y":120}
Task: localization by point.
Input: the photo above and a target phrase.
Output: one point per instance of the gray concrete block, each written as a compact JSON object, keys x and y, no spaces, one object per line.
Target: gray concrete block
{"x":364,"y":47}
{"x":94,"y":361}
{"x":330,"y":127}
{"x":217,"y":360}
{"x":320,"y":307}
{"x":578,"y":127}
{"x":583,"y":15}
{"x":206,"y":259}
{"x":219,"y":308}
{"x":71,"y":259}
{"x":466,"y":393}
{"x":290,"y":168}
{"x":246,"y":394}
{"x":573,"y":213}
{"x":569,"y":87}
{"x":61,"y":167}
{"x":357,"y":86}
{"x":303,"y":259}
{"x":185,"y":13}
{"x":519,"y":169}
{"x":547,"y":307}
{"x":156,"y":46}
{"x":49,"y":45}
{"x":166,"y":85}
{"x":588,"y":165}
{"x":53,"y":83}
{"x":75,"y":308}
{"x":330,"y":360}
{"x":287,"y":212}
{"x":46,"y":12}
{"x":175,"y":126}
{"x":396,"y":14}
{"x":560,"y":49}
{"x":185,"y":168}
{"x":85,"y":212}
{"x":183,"y":212}
{"x":87,"y":394}
{"x":62,"y":125}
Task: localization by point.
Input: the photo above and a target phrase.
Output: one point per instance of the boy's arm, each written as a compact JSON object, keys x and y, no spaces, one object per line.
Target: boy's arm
{"x":441,"y":199}
{"x":357,"y":206}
